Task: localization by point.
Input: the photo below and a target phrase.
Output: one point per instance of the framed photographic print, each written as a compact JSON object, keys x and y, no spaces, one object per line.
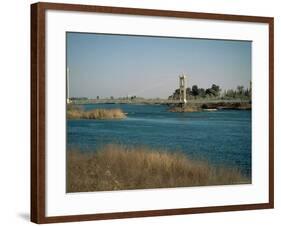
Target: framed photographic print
{"x":143,"y":112}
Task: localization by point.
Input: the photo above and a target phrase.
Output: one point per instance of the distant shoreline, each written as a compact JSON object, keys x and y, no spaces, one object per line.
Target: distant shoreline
{"x":156,"y":101}
{"x":194,"y":105}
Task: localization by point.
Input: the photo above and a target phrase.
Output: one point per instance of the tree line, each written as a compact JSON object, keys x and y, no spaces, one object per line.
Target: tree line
{"x":213,"y":92}
{"x":239,"y":93}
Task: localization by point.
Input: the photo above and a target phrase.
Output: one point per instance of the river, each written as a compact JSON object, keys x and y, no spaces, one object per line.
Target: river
{"x":220,"y":137}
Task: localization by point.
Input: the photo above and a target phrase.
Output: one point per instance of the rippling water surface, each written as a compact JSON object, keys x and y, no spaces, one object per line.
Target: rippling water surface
{"x":220,"y":137}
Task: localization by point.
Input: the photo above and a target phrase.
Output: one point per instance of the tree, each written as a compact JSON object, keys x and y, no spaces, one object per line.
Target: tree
{"x":188,"y":91}
{"x":201,"y":92}
{"x":176,"y":94}
{"x":240,"y":90}
{"x":230,"y":93}
{"x":98,"y":97}
{"x":247,"y":93}
{"x":210,"y":92}
{"x":216,"y":89}
{"x":195,"y":91}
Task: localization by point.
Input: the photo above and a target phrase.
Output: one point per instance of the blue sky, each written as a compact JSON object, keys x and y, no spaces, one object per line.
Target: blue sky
{"x":119,"y":65}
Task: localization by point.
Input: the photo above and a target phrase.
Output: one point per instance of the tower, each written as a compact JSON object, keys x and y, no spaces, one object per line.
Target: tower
{"x":182,"y":88}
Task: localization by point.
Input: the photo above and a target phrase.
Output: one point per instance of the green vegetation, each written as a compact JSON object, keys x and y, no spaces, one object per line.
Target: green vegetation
{"x":196,"y":92}
{"x":117,"y":167}
{"x":214,"y":92}
{"x":239,"y":93}
{"x":76,"y":112}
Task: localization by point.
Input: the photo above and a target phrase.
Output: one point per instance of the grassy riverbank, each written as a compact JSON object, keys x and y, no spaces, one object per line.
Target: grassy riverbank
{"x":117,"y":167}
{"x":78,"y":113}
{"x":195,"y":107}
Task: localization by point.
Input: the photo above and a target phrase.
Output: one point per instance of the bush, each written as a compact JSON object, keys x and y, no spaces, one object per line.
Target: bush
{"x":75,"y":113}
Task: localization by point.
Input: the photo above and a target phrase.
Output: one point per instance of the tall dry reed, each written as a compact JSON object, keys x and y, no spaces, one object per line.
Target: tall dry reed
{"x":76,"y":113}
{"x":116,"y":167}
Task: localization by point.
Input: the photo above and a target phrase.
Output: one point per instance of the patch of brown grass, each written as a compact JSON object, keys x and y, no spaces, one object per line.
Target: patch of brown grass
{"x":115,"y":167}
{"x":75,"y":113}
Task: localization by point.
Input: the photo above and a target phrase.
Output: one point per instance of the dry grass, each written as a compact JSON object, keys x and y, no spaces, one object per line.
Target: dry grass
{"x":78,"y":113}
{"x":115,"y":167}
{"x":187,"y":108}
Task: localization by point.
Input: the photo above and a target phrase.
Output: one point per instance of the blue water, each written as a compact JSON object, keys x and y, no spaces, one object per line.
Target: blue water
{"x":220,"y":137}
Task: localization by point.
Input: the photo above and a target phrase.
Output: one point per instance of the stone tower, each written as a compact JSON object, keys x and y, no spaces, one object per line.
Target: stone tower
{"x":182,"y":89}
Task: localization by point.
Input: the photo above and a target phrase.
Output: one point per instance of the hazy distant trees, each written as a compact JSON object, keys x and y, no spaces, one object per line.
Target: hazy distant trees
{"x":78,"y":98}
{"x":196,"y":92}
{"x":214,"y":92}
{"x":239,"y":93}
{"x":240,"y":89}
{"x":202,"y":92}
